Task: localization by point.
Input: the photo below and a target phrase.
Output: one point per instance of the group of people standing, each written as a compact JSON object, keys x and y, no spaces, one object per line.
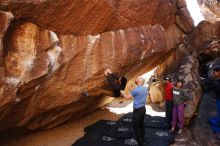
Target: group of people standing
{"x":175,"y":97}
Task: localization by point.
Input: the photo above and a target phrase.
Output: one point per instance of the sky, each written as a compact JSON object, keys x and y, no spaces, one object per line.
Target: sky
{"x":194,"y":10}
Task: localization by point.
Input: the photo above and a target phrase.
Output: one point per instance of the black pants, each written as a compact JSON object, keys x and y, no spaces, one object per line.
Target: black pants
{"x":138,"y":125}
{"x":169,"y":110}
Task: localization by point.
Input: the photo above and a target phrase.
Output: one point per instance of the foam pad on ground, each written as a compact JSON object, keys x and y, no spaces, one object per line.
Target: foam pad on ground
{"x":101,"y":126}
{"x":95,"y":139}
{"x":111,"y":128}
{"x":149,"y":121}
{"x":127,"y":142}
{"x":157,"y":142}
{"x":151,"y":133}
{"x":156,"y":122}
{"x":122,"y":131}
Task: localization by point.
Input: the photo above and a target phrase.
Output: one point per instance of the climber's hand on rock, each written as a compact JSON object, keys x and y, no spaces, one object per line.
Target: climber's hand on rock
{"x":122,"y":92}
{"x":107,"y":71}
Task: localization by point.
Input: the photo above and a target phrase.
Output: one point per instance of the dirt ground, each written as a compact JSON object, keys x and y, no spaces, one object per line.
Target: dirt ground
{"x":68,"y":133}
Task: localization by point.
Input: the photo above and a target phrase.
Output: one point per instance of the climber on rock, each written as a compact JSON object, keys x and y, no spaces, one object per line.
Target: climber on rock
{"x":116,"y":82}
{"x":139,"y":94}
{"x":215,"y":121}
{"x":169,"y":99}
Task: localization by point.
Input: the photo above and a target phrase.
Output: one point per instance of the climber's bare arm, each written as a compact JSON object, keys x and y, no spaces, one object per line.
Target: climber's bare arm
{"x":125,"y":95}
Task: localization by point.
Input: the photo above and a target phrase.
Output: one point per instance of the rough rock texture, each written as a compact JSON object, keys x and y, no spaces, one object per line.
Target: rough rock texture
{"x":47,"y":85}
{"x":156,"y":93}
{"x":205,"y":38}
{"x":30,"y":53}
{"x":48,"y":77}
{"x":185,"y":68}
{"x":188,"y":73}
{"x":184,"y":20}
{"x":92,"y":16}
{"x":5,"y":19}
{"x":210,"y":9}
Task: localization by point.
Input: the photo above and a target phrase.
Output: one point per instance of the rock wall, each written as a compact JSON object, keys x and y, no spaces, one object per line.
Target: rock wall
{"x":54,"y":51}
{"x":210,"y":9}
{"x":204,"y":39}
{"x":83,"y":17}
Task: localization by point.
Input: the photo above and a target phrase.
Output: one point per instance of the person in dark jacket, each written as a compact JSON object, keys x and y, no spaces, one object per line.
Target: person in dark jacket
{"x":169,"y":99}
{"x":116,"y":82}
{"x":179,"y":97}
{"x":215,"y":121}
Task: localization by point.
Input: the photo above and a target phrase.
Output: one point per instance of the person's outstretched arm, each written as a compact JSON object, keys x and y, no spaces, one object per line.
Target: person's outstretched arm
{"x":125,"y":95}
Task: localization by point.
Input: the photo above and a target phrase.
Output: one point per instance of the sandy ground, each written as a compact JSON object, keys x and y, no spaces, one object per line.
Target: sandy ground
{"x":68,"y":133}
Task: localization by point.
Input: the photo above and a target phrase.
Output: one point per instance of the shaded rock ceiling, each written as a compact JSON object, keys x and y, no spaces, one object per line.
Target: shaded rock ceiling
{"x":83,"y":17}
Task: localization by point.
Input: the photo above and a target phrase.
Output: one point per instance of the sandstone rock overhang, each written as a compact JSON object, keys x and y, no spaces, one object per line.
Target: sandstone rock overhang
{"x":54,"y":51}
{"x":83,"y":17}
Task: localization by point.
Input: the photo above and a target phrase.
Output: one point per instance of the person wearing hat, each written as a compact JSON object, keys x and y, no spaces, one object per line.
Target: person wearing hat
{"x":169,"y":99}
{"x":215,"y":121}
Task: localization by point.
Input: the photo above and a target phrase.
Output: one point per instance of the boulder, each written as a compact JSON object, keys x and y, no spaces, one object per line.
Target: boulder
{"x":205,"y":38}
{"x":184,"y":20}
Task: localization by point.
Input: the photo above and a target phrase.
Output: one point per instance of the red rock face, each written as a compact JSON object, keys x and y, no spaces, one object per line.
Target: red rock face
{"x":5,"y":18}
{"x":50,"y":92}
{"x":210,"y":9}
{"x":44,"y":74}
{"x":205,"y":38}
{"x":83,"y":17}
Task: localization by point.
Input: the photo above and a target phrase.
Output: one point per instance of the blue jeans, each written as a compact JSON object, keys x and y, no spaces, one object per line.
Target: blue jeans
{"x":215,"y":121}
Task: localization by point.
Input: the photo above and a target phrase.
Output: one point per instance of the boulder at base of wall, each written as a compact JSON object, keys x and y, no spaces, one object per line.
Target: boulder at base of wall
{"x":156,"y":93}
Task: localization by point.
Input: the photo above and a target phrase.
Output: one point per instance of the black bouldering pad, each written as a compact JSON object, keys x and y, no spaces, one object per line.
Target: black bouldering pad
{"x":149,"y":121}
{"x":95,"y":139}
{"x":157,"y":142}
{"x":127,"y":142}
{"x":151,"y":133}
{"x":156,"y":122}
{"x":101,"y":126}
{"x":122,"y":131}
{"x":111,"y":128}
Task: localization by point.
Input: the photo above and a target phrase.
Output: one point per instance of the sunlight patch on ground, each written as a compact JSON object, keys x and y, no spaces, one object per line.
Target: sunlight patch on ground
{"x":121,"y":110}
{"x":194,"y":11}
{"x":127,"y":107}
